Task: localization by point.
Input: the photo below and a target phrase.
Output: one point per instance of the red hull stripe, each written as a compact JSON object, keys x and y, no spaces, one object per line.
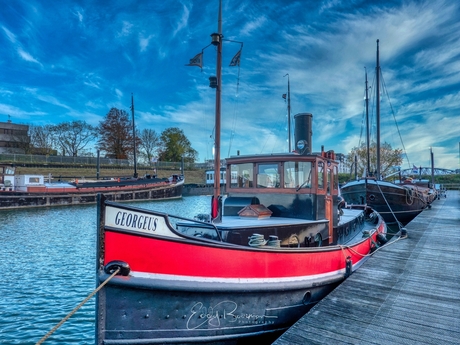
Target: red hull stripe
{"x":163,"y":256}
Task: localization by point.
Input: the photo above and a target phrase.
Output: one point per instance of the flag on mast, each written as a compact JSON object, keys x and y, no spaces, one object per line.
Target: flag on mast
{"x":197,"y":60}
{"x":236,"y":59}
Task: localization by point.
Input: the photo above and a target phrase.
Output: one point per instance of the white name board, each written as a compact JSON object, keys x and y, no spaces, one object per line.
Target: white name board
{"x":137,"y":221}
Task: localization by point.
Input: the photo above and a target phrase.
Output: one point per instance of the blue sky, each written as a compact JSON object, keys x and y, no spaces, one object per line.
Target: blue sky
{"x":74,"y":60}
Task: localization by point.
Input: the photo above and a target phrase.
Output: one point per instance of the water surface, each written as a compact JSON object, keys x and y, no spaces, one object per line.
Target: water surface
{"x":48,"y":263}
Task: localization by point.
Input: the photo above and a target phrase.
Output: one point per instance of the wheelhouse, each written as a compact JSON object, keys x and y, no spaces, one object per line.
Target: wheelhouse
{"x":288,"y":184}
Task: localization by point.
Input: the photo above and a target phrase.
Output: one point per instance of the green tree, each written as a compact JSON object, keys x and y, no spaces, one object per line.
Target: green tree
{"x":72,"y":137}
{"x":116,"y":134}
{"x":388,"y":158}
{"x":175,"y":145}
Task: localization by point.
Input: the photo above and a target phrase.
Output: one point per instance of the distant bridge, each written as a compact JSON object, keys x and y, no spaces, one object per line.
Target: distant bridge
{"x":423,"y":171}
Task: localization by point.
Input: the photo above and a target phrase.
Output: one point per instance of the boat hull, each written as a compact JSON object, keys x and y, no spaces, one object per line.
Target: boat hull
{"x":191,"y":313}
{"x":394,"y":203}
{"x":196,"y":290}
{"x":14,"y":200}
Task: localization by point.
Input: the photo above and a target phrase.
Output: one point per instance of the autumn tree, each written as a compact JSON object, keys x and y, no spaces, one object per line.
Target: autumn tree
{"x":72,"y":137}
{"x":388,"y":158}
{"x":150,"y":144}
{"x":42,"y":140}
{"x":175,"y":145}
{"x":116,"y":134}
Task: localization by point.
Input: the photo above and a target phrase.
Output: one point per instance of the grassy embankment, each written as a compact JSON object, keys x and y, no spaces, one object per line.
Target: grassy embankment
{"x":69,"y":173}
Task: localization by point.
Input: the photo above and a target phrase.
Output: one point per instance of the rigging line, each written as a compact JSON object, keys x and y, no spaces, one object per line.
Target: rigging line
{"x":394,"y":117}
{"x":388,"y":205}
{"x":372,"y":123}
{"x":363,"y":120}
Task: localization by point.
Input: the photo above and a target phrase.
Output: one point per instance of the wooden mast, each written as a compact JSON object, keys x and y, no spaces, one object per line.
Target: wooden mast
{"x":134,"y":136}
{"x":217,"y":41}
{"x":368,"y":167}
{"x":377,"y":71}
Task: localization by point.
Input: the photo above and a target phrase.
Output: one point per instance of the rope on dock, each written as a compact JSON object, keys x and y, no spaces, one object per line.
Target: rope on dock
{"x":77,"y":307}
{"x":400,"y":237}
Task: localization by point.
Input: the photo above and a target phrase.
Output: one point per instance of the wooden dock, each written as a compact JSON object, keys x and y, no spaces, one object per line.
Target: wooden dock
{"x":407,"y":293}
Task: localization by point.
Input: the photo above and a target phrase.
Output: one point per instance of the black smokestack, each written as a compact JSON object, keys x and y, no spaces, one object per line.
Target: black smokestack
{"x":303,"y":133}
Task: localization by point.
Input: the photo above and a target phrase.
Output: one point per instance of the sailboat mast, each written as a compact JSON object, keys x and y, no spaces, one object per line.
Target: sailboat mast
{"x":134,"y":136}
{"x":289,"y":114}
{"x":217,"y":41}
{"x":377,"y":71}
{"x":432,"y":168}
{"x":368,"y":167}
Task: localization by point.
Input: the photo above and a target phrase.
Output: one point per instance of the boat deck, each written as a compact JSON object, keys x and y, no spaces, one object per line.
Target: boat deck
{"x":236,"y":222}
{"x":232,"y":222}
{"x":407,"y":293}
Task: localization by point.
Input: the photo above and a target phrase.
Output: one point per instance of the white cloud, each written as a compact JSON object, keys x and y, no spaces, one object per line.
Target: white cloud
{"x":126,"y":28}
{"x":26,"y":56}
{"x":11,"y":37}
{"x":182,"y":22}
{"x":144,"y":42}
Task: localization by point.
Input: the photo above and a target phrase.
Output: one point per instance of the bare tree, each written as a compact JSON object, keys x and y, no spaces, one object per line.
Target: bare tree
{"x":150,"y":144}
{"x":71,"y":137}
{"x":41,"y":139}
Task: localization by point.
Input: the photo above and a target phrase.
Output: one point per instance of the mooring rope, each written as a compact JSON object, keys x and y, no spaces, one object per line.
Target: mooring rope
{"x":77,"y":307}
{"x":388,"y":205}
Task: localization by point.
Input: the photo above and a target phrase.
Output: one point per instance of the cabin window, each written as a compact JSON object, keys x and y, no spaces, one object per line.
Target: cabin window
{"x":297,"y":174}
{"x":34,"y":180}
{"x":320,"y":175}
{"x":336,"y":178}
{"x":268,"y":176}
{"x":244,"y":175}
{"x":329,"y":181}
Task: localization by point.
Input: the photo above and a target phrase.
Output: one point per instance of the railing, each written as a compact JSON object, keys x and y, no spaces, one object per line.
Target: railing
{"x":451,"y":186}
{"x":16,"y":158}
{"x":47,"y":159}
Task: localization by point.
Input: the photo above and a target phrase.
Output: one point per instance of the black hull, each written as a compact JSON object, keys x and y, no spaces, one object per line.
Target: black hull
{"x":394,"y":203}
{"x":211,"y":314}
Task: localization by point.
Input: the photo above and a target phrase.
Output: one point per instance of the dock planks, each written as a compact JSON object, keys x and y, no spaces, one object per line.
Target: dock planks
{"x":407,"y":293}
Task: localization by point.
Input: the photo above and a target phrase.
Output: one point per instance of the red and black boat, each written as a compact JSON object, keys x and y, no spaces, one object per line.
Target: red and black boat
{"x":276,"y":244}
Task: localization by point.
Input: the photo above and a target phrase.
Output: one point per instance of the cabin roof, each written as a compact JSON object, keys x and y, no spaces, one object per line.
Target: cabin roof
{"x":273,"y":157}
